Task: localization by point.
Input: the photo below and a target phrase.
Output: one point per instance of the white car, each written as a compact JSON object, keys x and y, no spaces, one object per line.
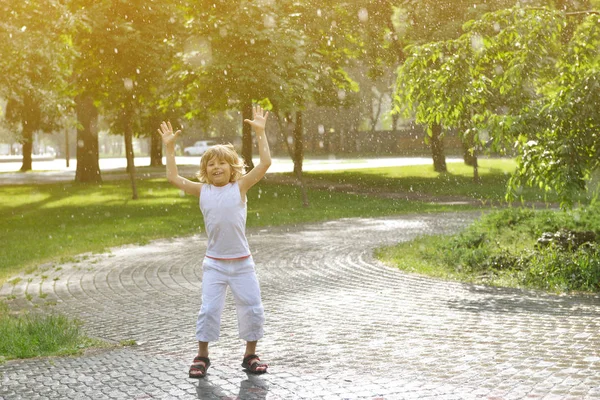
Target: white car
{"x":199,"y":148}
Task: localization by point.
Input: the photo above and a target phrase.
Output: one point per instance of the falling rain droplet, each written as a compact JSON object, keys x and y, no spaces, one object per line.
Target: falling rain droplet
{"x":319,"y":12}
{"x":128,"y":83}
{"x":363,"y":15}
{"x":269,"y":21}
{"x":321,"y":129}
{"x":477,"y":42}
{"x":23,"y":28}
{"x":341,"y":94}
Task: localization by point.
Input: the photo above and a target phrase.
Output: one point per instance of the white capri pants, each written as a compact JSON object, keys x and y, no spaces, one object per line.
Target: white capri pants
{"x":240,"y":276}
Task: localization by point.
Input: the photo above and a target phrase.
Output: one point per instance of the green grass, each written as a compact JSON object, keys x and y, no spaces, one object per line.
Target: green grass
{"x":54,"y":222}
{"x":501,"y":249}
{"x":28,"y":335}
{"x":458,"y":181}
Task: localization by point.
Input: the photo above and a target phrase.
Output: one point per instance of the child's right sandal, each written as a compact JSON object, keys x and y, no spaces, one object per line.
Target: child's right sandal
{"x":199,"y":367}
{"x":255,"y":367}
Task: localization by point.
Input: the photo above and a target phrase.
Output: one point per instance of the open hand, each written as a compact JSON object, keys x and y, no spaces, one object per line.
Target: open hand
{"x":167,"y":135}
{"x":260,"y":118}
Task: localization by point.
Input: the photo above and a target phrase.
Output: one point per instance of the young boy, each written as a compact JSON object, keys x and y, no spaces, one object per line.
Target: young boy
{"x":228,"y":262}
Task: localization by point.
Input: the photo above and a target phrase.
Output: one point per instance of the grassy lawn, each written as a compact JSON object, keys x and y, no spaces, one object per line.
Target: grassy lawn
{"x":52,"y":222}
{"x":458,"y":181}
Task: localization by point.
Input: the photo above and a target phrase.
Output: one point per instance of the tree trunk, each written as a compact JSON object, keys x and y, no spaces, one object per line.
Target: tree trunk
{"x":129,"y":154}
{"x":299,"y":156}
{"x":475,"y":169}
{"x":395,"y":118}
{"x":88,"y":167}
{"x":31,"y":121}
{"x":437,"y":149}
{"x":375,"y":117}
{"x":156,"y":151}
{"x":247,"y":136}
{"x":298,"y":143}
{"x":468,"y":152}
{"x":67,"y":153}
{"x":27,"y":142}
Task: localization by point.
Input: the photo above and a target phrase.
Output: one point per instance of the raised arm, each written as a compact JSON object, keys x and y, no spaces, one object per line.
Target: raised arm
{"x":258,"y":124}
{"x":169,"y":138}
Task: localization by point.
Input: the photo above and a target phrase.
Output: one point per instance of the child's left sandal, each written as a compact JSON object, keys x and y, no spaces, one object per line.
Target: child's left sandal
{"x":255,"y":367}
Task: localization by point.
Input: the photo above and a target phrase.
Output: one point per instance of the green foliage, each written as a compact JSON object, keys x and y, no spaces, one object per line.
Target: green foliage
{"x":501,"y":249}
{"x":34,"y":335}
{"x":511,"y":82}
{"x":36,"y":52}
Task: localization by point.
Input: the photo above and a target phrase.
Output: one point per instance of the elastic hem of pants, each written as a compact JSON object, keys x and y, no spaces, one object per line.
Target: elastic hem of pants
{"x":207,"y":341}
{"x":252,"y":338}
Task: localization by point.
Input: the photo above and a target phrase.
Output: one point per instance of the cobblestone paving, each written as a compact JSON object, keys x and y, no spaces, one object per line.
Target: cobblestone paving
{"x":339,"y":326}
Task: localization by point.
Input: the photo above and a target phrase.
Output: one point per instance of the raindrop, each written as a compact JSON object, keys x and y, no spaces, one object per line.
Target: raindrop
{"x":23,"y":28}
{"x":128,"y":83}
{"x":225,"y":71}
{"x":290,"y":140}
{"x":363,"y":15}
{"x":269,"y":21}
{"x":484,"y":136}
{"x":116,"y":51}
{"x":477,"y":42}
{"x":321,"y":129}
{"x":341,"y":94}
{"x":319,"y":12}
{"x":80,"y":143}
{"x":137,"y":70}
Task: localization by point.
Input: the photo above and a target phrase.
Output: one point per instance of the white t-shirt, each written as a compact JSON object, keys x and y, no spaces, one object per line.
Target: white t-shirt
{"x":224,"y":213}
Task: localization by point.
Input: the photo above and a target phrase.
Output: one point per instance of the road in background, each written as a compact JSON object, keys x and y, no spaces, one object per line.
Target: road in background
{"x":56,"y":170}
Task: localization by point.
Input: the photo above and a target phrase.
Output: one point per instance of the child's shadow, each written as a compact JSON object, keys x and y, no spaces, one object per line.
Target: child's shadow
{"x":252,"y":388}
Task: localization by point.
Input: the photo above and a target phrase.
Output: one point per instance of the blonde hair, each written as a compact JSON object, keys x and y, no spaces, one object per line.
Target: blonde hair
{"x":222,"y":152}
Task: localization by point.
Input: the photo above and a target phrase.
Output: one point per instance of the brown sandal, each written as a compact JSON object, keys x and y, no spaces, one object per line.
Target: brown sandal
{"x":253,"y":367}
{"x":199,"y":367}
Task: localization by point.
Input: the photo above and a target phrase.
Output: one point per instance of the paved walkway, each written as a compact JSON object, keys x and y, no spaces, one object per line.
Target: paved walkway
{"x":339,"y":326}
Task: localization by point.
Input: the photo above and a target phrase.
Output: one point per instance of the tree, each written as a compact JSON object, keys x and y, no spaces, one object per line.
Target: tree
{"x":514,"y":80}
{"x":425,"y":23}
{"x":139,"y":53}
{"x":126,"y":48}
{"x":35,"y":54}
{"x":272,"y":52}
{"x":561,"y":149}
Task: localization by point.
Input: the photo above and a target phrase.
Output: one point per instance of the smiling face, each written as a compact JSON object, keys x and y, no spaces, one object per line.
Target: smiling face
{"x":218,"y":171}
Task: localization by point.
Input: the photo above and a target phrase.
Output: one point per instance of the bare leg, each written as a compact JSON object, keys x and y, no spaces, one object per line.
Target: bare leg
{"x":203,"y":349}
{"x":250,"y":348}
